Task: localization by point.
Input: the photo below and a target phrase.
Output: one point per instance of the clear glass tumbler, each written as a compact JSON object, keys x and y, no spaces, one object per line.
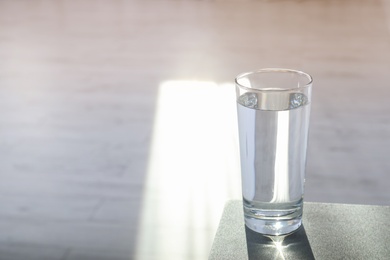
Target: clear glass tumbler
{"x":273,"y":107}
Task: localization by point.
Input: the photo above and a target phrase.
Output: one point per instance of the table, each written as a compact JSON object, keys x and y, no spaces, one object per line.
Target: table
{"x":329,"y":231}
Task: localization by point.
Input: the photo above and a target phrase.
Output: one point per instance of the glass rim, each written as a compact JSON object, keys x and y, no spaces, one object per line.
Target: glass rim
{"x":297,"y":72}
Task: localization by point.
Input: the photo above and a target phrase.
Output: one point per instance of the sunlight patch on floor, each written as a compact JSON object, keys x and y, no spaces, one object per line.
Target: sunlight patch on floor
{"x":193,"y":169}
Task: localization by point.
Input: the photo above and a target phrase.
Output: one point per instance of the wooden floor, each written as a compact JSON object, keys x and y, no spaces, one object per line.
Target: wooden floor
{"x":118,"y":137}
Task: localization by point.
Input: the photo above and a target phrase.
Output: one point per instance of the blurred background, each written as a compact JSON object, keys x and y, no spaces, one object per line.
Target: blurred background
{"x":118,"y":133}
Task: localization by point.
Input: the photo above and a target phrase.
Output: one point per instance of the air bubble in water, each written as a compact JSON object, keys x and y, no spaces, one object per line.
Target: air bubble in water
{"x":248,"y":100}
{"x":297,"y":100}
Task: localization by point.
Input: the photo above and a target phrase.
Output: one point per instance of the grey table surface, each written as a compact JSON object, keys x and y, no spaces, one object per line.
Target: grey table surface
{"x":329,"y":231}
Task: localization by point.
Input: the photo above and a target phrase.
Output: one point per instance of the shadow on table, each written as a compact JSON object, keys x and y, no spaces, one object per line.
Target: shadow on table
{"x":294,"y":246}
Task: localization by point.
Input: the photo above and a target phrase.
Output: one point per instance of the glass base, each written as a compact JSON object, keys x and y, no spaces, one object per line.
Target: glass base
{"x":273,"y":218}
{"x":273,"y":227}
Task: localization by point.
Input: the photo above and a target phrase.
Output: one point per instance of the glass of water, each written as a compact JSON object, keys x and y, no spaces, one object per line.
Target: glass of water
{"x":273,"y":107}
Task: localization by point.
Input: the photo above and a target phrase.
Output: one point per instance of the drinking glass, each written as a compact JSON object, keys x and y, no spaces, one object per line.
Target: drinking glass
{"x":273,"y":107}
